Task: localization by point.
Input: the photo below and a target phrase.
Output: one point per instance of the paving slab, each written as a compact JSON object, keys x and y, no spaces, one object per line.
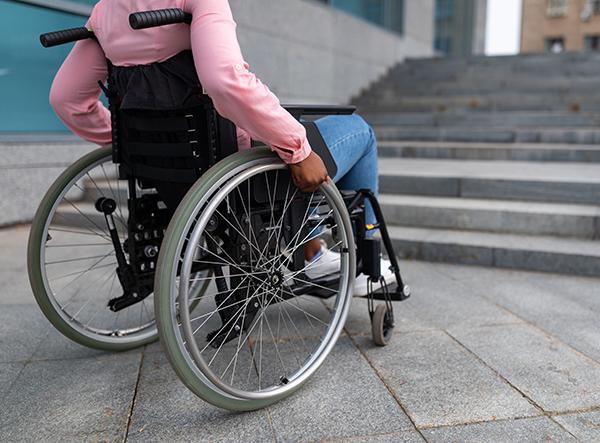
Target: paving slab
{"x":15,"y":288}
{"x":344,"y":399}
{"x":540,"y":429}
{"x":552,"y":374}
{"x":552,"y":302}
{"x":22,"y":329}
{"x":401,"y":437}
{"x":8,"y":373}
{"x":56,"y":346}
{"x":437,"y":302}
{"x":437,"y":378}
{"x":165,"y":410}
{"x":584,"y":426}
{"x":579,"y":289}
{"x":440,"y":383}
{"x":74,"y":400}
{"x":13,"y":267}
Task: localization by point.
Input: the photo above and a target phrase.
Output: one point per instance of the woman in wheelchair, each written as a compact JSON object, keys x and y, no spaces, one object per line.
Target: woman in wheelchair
{"x":248,"y":297}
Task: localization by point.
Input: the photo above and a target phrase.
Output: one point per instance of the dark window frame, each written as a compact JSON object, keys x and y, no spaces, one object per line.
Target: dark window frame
{"x":591,"y":42}
{"x":549,"y":42}
{"x":386,"y":20}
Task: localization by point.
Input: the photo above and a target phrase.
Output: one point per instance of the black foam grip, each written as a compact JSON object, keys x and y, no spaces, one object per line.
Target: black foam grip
{"x":160,"y":17}
{"x":66,"y":36}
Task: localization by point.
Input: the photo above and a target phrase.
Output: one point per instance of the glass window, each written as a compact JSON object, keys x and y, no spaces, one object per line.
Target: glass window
{"x":444,"y":9}
{"x":592,"y":43}
{"x":443,"y":45}
{"x":395,"y":16}
{"x":385,"y":13}
{"x":27,"y":69}
{"x":556,"y":8}
{"x":555,"y":45}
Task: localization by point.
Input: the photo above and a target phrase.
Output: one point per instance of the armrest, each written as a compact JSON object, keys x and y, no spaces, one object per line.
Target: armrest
{"x":301,"y":110}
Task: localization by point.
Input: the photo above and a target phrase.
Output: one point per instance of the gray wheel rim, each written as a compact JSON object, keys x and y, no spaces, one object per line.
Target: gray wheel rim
{"x":203,"y":371}
{"x":141,"y":333}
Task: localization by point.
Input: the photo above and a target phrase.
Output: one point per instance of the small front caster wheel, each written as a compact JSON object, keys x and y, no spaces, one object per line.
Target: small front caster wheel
{"x":382,"y":325}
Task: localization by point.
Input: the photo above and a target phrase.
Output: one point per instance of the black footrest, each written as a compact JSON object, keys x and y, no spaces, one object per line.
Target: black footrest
{"x":394,"y":294}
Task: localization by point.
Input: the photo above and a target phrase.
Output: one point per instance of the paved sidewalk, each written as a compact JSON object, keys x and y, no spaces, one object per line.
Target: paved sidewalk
{"x":478,"y":355}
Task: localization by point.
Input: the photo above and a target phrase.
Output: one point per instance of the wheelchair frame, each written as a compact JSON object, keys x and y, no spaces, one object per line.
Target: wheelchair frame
{"x":162,"y":150}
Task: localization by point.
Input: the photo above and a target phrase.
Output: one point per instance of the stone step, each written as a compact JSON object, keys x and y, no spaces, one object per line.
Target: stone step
{"x":489,"y":83}
{"x":584,"y":136}
{"x":391,"y":101}
{"x":535,"y":64}
{"x":576,"y":183}
{"x":523,"y":252}
{"x":501,"y":216}
{"x":447,"y":74}
{"x":514,"y":119}
{"x":490,"y":151}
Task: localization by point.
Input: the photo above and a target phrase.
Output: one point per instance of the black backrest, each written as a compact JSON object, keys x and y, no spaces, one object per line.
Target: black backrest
{"x":175,"y":146}
{"x":164,"y":127}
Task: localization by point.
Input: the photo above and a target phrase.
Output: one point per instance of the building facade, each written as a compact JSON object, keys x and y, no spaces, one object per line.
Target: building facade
{"x":306,"y":51}
{"x":310,"y":51}
{"x":560,"y":25}
{"x":460,"y":27}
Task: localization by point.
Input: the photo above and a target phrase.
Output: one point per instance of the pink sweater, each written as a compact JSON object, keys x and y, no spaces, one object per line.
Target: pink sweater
{"x":237,"y":93}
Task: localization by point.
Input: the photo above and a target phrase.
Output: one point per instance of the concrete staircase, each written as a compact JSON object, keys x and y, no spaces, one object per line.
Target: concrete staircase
{"x":492,"y":161}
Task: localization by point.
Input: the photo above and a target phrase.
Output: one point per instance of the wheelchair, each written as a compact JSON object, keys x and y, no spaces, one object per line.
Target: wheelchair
{"x":172,"y":233}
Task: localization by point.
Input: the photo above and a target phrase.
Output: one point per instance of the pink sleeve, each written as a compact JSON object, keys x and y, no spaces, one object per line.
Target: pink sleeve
{"x":75,"y":93}
{"x":243,"y":139}
{"x":237,"y":93}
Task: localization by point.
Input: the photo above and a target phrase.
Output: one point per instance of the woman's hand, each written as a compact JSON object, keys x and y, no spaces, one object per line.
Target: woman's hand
{"x":309,"y":173}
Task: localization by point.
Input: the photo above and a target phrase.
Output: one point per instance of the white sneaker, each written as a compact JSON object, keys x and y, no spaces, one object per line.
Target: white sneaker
{"x":325,"y":263}
{"x":361,"y":283}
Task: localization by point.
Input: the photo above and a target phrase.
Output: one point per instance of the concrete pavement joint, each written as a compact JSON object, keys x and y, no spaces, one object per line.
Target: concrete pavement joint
{"x":270,"y":421}
{"x":133,"y":399}
{"x":575,"y":411}
{"x":390,"y":390}
{"x":524,"y":320}
{"x":529,"y":399}
{"x":10,"y":386}
{"x":479,"y":422}
{"x":361,"y":437}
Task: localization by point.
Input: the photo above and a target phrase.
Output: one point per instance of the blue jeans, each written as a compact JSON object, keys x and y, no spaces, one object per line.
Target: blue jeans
{"x":353,"y":146}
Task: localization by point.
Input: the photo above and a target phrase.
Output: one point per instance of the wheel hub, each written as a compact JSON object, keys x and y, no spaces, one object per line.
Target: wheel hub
{"x":275,"y":280}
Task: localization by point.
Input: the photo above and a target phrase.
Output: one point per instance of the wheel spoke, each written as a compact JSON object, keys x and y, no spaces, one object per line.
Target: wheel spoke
{"x":79,"y":284}
{"x":280,"y":338}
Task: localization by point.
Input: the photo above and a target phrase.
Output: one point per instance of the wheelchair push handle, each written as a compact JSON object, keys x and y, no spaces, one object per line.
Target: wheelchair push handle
{"x":65,"y":36}
{"x":159,"y":17}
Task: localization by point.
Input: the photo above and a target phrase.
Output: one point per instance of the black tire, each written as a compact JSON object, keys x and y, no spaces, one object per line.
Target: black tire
{"x":381,"y":326}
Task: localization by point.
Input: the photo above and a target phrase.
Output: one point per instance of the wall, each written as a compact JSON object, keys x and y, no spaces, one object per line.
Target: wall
{"x":537,"y":26}
{"x":480,"y":27}
{"x":323,"y":55}
{"x":462,"y":24}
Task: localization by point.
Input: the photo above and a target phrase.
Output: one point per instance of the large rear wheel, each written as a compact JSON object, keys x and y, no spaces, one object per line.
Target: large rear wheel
{"x":261,"y":329}
{"x":72,"y":263}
